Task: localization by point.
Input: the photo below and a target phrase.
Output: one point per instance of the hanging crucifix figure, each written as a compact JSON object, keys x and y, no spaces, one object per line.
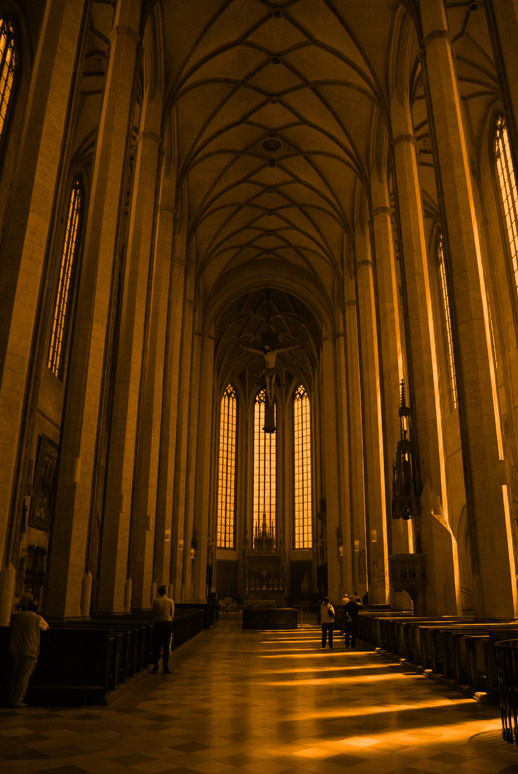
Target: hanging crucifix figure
{"x":270,"y":356}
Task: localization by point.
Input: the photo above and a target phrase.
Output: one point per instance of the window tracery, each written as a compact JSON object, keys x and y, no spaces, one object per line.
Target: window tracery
{"x":508,"y":192}
{"x":227,"y":469}
{"x":8,"y":69}
{"x":302,"y":469}
{"x":265,"y":472}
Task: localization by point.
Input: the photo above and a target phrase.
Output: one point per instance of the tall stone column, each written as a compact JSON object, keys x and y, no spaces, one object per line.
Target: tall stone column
{"x":86,"y":371}
{"x":478,"y":406}
{"x":182,"y":536}
{"x":373,"y":454}
{"x":189,"y":446}
{"x":114,"y":558}
{"x":166,"y":537}
{"x":356,"y":480}
{"x":148,"y":528}
{"x":203,"y":466}
{"x":144,"y":521}
{"x":391,"y":356}
{"x":432,"y":537}
{"x":330,"y":453}
{"x":24,"y":243}
{"x":347,"y":583}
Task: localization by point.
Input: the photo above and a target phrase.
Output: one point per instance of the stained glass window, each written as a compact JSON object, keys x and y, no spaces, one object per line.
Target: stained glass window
{"x":507,"y":183}
{"x":66,"y":273}
{"x":227,"y":469}
{"x":447,"y":324}
{"x":302,"y":469}
{"x":8,"y":68}
{"x":265,"y":479}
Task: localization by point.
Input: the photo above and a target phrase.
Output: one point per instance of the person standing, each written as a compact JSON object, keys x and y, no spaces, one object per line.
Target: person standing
{"x":327,"y":619}
{"x":163,"y":614}
{"x":351,"y":610}
{"x":24,"y":647}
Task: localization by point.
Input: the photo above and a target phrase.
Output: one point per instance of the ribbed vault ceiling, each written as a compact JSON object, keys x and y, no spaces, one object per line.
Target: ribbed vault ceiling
{"x":274,"y":106}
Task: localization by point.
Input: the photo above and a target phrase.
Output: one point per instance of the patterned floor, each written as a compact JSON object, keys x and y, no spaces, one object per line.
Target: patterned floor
{"x":262,"y":703}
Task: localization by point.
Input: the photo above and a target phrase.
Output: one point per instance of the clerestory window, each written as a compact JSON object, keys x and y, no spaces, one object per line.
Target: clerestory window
{"x":8,"y":70}
{"x":227,"y":469}
{"x":447,"y":325}
{"x":69,"y":253}
{"x":508,"y":192}
{"x":265,"y":471}
{"x":302,"y":469}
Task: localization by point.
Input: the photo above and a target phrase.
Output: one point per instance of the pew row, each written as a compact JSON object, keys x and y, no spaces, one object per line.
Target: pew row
{"x":84,"y":663}
{"x":458,"y":651}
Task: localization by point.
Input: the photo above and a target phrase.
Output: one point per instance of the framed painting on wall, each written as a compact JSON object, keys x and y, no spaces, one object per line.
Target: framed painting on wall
{"x":43,"y":494}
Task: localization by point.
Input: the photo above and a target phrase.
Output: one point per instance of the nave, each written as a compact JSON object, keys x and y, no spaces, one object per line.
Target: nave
{"x":265,"y":702}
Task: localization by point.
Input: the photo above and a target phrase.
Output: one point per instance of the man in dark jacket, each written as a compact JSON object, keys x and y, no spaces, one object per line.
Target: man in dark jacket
{"x":351,"y":610}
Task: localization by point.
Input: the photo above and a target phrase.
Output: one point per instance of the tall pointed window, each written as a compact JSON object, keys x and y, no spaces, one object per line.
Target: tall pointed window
{"x":447,"y":325}
{"x":302,"y":469}
{"x":227,"y":469}
{"x":265,"y":479}
{"x":66,"y":274}
{"x":8,"y":69}
{"x":508,"y":192}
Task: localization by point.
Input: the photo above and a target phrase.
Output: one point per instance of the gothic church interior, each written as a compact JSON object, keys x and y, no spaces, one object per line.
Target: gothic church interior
{"x":258,"y":303}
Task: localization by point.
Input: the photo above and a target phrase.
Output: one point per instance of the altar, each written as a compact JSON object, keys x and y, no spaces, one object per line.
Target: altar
{"x":264,"y":567}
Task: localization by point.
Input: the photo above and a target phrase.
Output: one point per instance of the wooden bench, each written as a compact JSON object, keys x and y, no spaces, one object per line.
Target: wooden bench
{"x":84,"y":662}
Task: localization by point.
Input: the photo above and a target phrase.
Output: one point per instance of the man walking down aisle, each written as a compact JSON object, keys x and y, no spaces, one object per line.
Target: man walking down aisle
{"x":163,"y":614}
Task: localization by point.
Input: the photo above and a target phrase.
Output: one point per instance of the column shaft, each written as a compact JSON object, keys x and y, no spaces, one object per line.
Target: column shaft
{"x":330,"y":465}
{"x":373,"y":459}
{"x":203,"y":465}
{"x":478,"y":408}
{"x":432,"y":537}
{"x":356,"y":478}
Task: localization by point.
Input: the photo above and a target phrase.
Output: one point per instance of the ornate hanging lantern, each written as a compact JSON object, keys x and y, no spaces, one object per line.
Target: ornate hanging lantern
{"x":405,"y":479}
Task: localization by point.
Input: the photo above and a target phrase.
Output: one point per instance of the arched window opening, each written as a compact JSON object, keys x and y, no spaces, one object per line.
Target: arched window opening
{"x":8,"y":70}
{"x":66,"y":275}
{"x":227,"y":469}
{"x":508,"y":192}
{"x":265,"y":478}
{"x":447,"y":325}
{"x":302,"y":469}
